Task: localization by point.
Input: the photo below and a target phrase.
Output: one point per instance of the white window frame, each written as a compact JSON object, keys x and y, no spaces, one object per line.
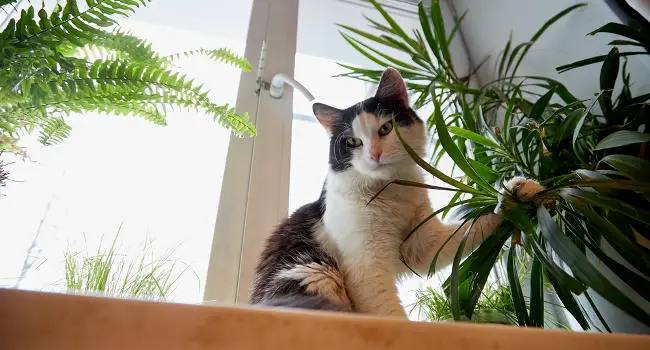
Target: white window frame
{"x":255,"y":191}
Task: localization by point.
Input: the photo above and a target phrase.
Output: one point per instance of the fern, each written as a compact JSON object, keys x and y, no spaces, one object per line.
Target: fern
{"x":218,"y":55}
{"x":72,"y":61}
{"x":54,"y":130}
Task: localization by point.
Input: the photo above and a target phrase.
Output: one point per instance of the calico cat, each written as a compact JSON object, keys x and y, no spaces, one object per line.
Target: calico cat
{"x":342,"y":253}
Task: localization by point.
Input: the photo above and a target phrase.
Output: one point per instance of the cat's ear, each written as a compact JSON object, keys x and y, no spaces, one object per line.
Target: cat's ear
{"x":392,"y":86}
{"x":327,"y":116}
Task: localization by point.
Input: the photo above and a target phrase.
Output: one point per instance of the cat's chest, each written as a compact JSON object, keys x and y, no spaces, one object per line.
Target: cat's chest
{"x":353,"y":224}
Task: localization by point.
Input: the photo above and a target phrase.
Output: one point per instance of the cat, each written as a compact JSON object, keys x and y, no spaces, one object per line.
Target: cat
{"x":344,"y":252}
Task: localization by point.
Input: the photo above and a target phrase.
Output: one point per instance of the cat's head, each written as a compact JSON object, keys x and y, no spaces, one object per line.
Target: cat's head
{"x":362,"y":136}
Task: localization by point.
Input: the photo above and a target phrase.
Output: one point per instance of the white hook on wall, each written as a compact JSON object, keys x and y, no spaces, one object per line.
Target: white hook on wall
{"x":276,"y":90}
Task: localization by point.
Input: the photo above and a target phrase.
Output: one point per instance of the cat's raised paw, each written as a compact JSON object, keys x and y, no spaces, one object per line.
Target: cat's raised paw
{"x":523,"y":189}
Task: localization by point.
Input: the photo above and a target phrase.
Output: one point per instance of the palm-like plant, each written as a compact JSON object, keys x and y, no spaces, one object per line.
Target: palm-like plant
{"x":74,"y":60}
{"x":594,"y":166}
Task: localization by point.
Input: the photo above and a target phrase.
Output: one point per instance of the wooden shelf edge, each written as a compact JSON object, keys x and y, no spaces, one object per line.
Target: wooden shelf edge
{"x":35,"y":320}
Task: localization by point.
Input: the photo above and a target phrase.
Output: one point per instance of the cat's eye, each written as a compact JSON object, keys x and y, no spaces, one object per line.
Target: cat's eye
{"x":386,"y":128}
{"x":354,"y":141}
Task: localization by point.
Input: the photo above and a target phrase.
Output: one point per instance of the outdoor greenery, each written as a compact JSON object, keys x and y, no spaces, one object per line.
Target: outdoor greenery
{"x":74,"y":59}
{"x":494,"y":305}
{"x":109,"y":272}
{"x":589,"y":154}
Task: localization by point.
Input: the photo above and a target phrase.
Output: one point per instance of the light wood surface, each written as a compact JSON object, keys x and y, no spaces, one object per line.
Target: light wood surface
{"x":32,"y":320}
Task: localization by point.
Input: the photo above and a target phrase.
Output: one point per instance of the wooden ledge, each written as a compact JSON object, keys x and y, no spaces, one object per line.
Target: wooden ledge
{"x":33,"y":320}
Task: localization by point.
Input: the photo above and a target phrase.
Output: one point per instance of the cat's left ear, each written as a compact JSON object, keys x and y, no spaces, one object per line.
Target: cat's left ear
{"x":392,"y":86}
{"x":327,"y":116}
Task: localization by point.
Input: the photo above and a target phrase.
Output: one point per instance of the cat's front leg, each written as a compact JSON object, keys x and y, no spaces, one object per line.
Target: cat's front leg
{"x":371,"y":286}
{"x":420,"y":248}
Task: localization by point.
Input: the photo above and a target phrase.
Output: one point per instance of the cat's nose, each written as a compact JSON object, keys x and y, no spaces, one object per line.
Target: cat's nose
{"x":375,"y":156}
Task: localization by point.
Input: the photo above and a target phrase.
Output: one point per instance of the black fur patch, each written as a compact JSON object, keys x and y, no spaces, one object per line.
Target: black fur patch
{"x":301,"y":301}
{"x":292,"y":243}
{"x":340,"y":152}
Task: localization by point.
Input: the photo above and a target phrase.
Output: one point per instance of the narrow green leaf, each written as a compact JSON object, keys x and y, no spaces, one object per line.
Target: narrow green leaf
{"x":576,"y":131}
{"x":453,"y":151}
{"x":428,"y":33}
{"x":431,"y":170}
{"x":469,"y":135}
{"x":579,"y":196}
{"x":540,"y":106}
{"x":397,"y":30}
{"x":633,"y":167}
{"x":608,"y":75}
{"x":439,"y":30}
{"x":504,"y":55}
{"x":537,"y":294}
{"x":515,"y":288}
{"x":542,"y":30}
{"x":622,"y":138}
{"x":568,"y":301}
{"x":623,"y":30}
{"x":457,"y":25}
{"x":597,"y":312}
{"x":592,"y":60}
{"x":583,"y":269}
{"x":454,"y":278}
{"x":412,"y":184}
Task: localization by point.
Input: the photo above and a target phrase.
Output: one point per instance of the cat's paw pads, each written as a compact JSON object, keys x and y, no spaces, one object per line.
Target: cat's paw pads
{"x":523,"y":189}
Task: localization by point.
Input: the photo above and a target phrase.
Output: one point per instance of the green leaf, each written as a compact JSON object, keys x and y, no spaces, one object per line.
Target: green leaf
{"x":519,"y":218}
{"x":633,"y":167}
{"x":515,"y":289}
{"x":622,"y":138}
{"x":428,"y":33}
{"x":576,"y":131}
{"x":625,"y":274}
{"x":540,"y":106}
{"x":474,"y":137}
{"x":431,"y":170}
{"x":597,"y":312}
{"x":453,"y":151}
{"x":412,"y":184}
{"x":568,"y":301}
{"x":439,"y":30}
{"x":543,"y":29}
{"x":608,"y":75}
{"x":583,"y":269}
{"x":598,"y":200}
{"x":457,"y":25}
{"x":504,"y":54}
{"x":592,"y":60}
{"x":454,"y":297}
{"x":397,"y":30}
{"x":489,"y":175}
{"x":626,"y":31}
{"x":536,"y":294}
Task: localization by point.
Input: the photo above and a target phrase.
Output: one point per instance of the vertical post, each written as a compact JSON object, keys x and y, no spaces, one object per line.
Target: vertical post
{"x":255,"y":190}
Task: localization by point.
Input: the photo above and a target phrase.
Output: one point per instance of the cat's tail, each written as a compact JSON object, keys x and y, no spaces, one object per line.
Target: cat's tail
{"x":310,"y":302}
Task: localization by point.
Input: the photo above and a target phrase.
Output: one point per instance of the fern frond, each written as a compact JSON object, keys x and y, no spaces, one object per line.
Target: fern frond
{"x":121,"y":46}
{"x":218,"y":55}
{"x":67,"y":61}
{"x":68,"y":22}
{"x":53,"y":131}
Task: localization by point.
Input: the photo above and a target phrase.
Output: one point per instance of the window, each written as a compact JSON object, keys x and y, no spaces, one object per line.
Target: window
{"x":159,"y":186}
{"x":190,"y":187}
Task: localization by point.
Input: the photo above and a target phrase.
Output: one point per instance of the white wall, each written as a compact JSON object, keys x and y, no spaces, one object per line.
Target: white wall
{"x":486,"y":29}
{"x":488,"y":24}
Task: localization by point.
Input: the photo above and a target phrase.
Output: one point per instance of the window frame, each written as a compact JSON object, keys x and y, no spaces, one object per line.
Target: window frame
{"x":255,"y":189}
